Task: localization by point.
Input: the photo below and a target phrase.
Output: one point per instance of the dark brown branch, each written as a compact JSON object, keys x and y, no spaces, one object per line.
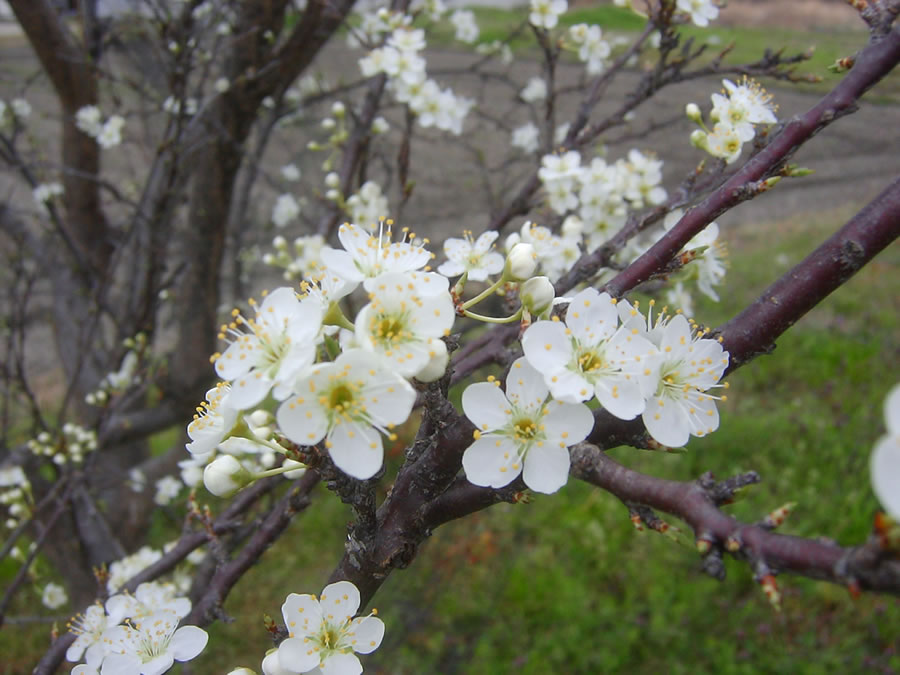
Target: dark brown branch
{"x":296,"y":500}
{"x":754,"y":330}
{"x":875,"y":61}
{"x":864,"y":567}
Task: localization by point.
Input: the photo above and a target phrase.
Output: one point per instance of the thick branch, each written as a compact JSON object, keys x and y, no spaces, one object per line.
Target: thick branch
{"x":755,"y":329}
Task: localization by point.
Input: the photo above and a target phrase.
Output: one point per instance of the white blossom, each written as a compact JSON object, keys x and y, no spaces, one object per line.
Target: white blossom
{"x":323,"y":636}
{"x":545,"y":13}
{"x":885,"y":463}
{"x":700,"y":11}
{"x":151,"y":646}
{"x":526,"y":137}
{"x":167,"y":488}
{"x":349,"y":403}
{"x":54,"y":596}
{"x":591,"y":355}
{"x":463,"y":21}
{"x":476,"y":257}
{"x":285,"y":210}
{"x":535,"y":90}
{"x":270,"y":351}
{"x":401,"y":324}
{"x":521,"y":432}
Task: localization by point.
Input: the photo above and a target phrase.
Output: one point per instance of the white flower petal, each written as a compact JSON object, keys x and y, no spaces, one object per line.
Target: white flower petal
{"x":366,"y":634}
{"x":892,"y":411}
{"x":341,"y":664}
{"x":885,"y":472}
{"x":356,"y":449}
{"x":569,"y":422}
{"x":620,"y":396}
{"x":667,"y":423}
{"x":546,"y":468}
{"x":490,"y":461}
{"x":302,"y":419}
{"x":486,"y":406}
{"x":525,"y":387}
{"x":547,"y":347}
{"x":592,"y":317}
{"x":339,"y":601}
{"x":120,"y":664}
{"x":297,"y":655}
{"x":188,"y":642}
{"x":302,"y":614}
{"x":236,"y":360}
{"x":248,"y":390}
{"x":570,"y":386}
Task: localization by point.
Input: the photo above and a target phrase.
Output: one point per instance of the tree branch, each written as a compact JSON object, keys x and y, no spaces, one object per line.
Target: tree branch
{"x":863,"y":567}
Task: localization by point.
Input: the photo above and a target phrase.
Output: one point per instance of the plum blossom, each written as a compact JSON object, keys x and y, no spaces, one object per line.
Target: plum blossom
{"x":476,"y":257}
{"x":151,"y":645}
{"x":212,"y":422}
{"x":526,"y":137}
{"x":323,"y":636}
{"x":591,"y":355}
{"x":545,"y":13}
{"x":688,"y":365}
{"x":700,"y":11}
{"x":366,"y":256}
{"x":270,"y":351}
{"x":349,"y":403}
{"x":88,"y":628}
{"x":463,"y":21}
{"x":401,"y":325}
{"x":521,"y":432}
{"x":54,"y":596}
{"x":535,"y":90}
{"x":367,"y":205}
{"x":285,"y":210}
{"x":885,"y":463}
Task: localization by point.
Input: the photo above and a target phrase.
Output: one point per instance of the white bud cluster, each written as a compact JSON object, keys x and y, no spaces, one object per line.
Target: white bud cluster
{"x":71,"y":447}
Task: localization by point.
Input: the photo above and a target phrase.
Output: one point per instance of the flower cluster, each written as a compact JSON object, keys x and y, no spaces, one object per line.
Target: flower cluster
{"x":15,"y":495}
{"x":592,"y":49}
{"x":735,"y":112}
{"x":600,"y":194}
{"x":302,"y":261}
{"x":401,"y":61}
{"x":44,"y":193}
{"x":108,"y":134}
{"x":69,"y":448}
{"x":15,"y":112}
{"x":136,"y":634}
{"x":632,"y":365}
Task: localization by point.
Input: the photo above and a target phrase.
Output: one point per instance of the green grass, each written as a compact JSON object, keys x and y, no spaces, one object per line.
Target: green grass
{"x":565,"y":584}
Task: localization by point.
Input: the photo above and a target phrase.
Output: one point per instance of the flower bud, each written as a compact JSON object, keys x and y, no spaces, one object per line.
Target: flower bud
{"x":380,"y":125}
{"x":297,"y":470}
{"x":521,"y":262}
{"x":272,"y":666}
{"x":225,"y":476}
{"x":328,"y":124}
{"x":338,"y":109}
{"x":242,"y":671}
{"x":437,"y":365}
{"x":537,"y":295}
{"x":332,"y":180}
{"x":692,"y":110}
{"x":699,"y":139}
